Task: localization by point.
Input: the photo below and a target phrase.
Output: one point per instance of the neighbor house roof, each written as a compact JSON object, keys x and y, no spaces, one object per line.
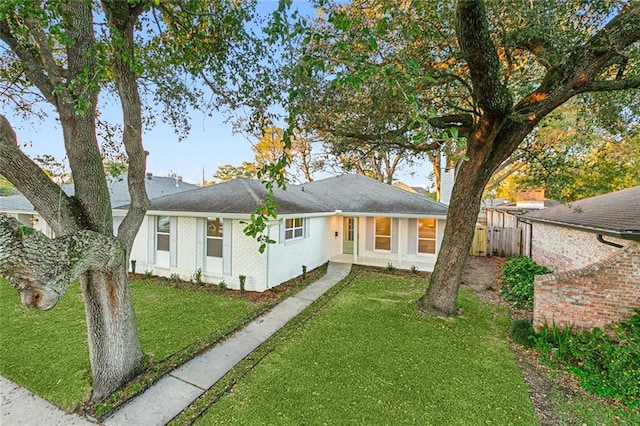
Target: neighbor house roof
{"x":118,"y":190}
{"x":360,"y":194}
{"x":239,"y":196}
{"x":157,"y":186}
{"x":616,"y":213}
{"x":514,"y":207}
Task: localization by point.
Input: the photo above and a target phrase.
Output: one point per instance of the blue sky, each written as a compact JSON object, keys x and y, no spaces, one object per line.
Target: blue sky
{"x":210,"y":144}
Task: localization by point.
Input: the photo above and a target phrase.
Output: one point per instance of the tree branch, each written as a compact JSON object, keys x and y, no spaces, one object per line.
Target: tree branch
{"x":47,"y":198}
{"x":121,"y":18}
{"x":611,"y":85}
{"x":29,"y":62}
{"x":578,"y":73}
{"x":49,"y":65}
{"x":479,"y":52}
{"x":42,"y":269}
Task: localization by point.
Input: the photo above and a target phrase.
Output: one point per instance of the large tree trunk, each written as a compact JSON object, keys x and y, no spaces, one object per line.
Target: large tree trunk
{"x":111,"y":326}
{"x":440,"y":298}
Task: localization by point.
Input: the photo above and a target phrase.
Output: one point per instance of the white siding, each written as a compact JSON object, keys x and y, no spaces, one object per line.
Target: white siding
{"x":285,"y":260}
{"x":281,"y":261}
{"x":246,"y":260}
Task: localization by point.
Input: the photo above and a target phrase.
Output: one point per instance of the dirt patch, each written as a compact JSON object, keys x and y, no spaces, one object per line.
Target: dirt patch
{"x":482,"y":274}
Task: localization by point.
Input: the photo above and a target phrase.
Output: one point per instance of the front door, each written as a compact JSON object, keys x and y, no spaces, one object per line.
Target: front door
{"x":347,"y":232}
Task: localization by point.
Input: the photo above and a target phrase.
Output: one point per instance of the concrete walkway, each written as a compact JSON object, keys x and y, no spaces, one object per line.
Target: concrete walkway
{"x":176,"y":391}
{"x":18,"y":406}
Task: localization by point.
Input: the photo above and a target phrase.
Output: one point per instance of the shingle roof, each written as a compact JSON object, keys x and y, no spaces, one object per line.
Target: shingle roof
{"x":156,"y":186}
{"x":360,"y":194}
{"x":348,"y":193}
{"x":616,"y":213}
{"x":239,"y":196}
{"x":15,"y":203}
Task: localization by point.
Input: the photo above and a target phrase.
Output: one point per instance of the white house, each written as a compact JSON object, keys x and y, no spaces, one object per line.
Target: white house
{"x":349,"y":218}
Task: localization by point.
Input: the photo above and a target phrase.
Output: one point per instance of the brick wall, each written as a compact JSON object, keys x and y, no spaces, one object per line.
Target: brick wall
{"x":246,"y":260}
{"x":593,"y":296}
{"x":563,"y":249}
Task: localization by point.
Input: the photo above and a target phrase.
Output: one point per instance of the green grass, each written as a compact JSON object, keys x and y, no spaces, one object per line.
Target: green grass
{"x":47,"y":352}
{"x":369,"y":357}
{"x":588,"y":410}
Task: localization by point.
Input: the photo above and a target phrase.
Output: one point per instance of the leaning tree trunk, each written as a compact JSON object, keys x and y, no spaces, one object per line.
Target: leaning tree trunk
{"x":111,"y":326}
{"x":440,"y":298}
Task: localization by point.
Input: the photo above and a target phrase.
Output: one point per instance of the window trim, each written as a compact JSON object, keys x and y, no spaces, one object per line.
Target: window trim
{"x":376,"y":235}
{"x":292,"y":229}
{"x":167,"y":234}
{"x":434,"y":239}
{"x":208,"y":237}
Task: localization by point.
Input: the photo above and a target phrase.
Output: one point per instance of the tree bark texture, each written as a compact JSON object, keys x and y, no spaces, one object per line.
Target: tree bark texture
{"x":114,"y":347}
{"x":499,"y":127}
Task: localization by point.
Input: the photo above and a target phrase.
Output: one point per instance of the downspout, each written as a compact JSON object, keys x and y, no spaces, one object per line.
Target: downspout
{"x":518,"y":220}
{"x":609,"y":243}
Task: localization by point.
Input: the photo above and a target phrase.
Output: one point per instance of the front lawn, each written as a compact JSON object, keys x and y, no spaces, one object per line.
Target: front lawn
{"x":47,"y":352}
{"x":369,"y":357}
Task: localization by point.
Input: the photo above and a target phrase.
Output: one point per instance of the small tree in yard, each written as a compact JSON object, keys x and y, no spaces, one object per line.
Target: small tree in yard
{"x":63,"y":53}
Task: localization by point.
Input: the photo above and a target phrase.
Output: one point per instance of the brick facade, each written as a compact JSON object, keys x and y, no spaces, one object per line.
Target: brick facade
{"x":560,"y":248}
{"x":592,"y":296}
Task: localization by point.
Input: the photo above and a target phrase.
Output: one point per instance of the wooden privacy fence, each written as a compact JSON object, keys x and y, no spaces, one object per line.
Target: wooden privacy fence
{"x":479,"y":245}
{"x":497,"y":241}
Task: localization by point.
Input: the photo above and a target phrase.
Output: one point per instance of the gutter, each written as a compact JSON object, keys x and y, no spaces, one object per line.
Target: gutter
{"x":628,"y":234}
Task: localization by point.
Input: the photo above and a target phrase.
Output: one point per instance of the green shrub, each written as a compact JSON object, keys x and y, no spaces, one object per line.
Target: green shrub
{"x":197,"y":277}
{"x":517,"y":279}
{"x":522,"y":332}
{"x":607,"y":363}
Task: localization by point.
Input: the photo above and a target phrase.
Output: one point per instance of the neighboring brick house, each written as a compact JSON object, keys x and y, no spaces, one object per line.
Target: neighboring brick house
{"x":593,"y":248}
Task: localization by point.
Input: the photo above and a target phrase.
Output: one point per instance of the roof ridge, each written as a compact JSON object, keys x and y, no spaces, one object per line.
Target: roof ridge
{"x":250,"y":190}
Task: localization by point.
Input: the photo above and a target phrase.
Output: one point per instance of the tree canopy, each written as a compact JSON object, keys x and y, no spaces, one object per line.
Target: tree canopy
{"x":475,"y":77}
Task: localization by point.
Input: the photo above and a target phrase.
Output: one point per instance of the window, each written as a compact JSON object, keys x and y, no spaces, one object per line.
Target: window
{"x":293,"y":229}
{"x":214,"y":237}
{"x":427,"y":236}
{"x":163,"y":231}
{"x":383,"y":233}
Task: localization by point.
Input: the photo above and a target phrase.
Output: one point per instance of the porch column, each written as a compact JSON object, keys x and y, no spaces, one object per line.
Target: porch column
{"x":355,"y":239}
{"x":401,"y":242}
